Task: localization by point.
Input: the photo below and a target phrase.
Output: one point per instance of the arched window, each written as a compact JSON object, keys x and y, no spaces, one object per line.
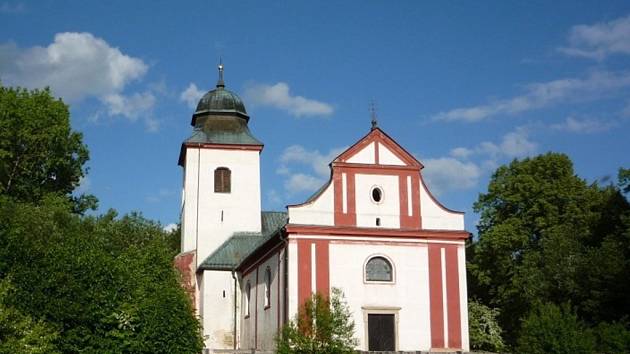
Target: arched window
{"x":248,"y":291}
{"x":268,"y":287}
{"x":222,"y":180}
{"x":379,"y":269}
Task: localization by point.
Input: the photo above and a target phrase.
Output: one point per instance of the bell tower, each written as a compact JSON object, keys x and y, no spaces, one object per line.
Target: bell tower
{"x":221,"y":162}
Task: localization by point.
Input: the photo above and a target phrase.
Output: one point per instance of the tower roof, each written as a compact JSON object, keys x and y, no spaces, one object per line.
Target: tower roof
{"x":220,"y":101}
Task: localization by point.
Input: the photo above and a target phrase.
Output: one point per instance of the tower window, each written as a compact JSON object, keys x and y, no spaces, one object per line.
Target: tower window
{"x":222,"y":180}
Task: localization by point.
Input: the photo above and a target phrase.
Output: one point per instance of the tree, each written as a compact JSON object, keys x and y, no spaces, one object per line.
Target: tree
{"x":554,"y":329}
{"x":19,"y":333}
{"x":39,"y":152}
{"x":322,"y":325}
{"x":107,"y":283}
{"x":624,"y":179}
{"x":484,"y":330}
{"x":546,"y":235}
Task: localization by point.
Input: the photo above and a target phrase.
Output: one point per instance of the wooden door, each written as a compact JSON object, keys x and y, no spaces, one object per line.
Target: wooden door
{"x":381,"y":332}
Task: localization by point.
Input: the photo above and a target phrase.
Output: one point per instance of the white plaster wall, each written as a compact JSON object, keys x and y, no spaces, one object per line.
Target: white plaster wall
{"x":386,"y":157}
{"x":388,"y":210}
{"x":218,"y":305}
{"x":409,"y":292}
{"x":364,"y":156}
{"x":318,"y":212}
{"x":265,"y":320}
{"x":189,"y":220}
{"x":292,"y":285}
{"x":436,"y":218}
{"x":248,"y":322}
{"x":203,"y":207}
{"x":463,"y":296}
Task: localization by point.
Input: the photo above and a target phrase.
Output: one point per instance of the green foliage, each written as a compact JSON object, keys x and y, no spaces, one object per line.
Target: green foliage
{"x":484,"y":330}
{"x":612,"y":338}
{"x":108,"y":284}
{"x":624,"y":179}
{"x":321,"y":326}
{"x":19,"y":333}
{"x":546,"y":235}
{"x":39,"y":152}
{"x":554,"y":329}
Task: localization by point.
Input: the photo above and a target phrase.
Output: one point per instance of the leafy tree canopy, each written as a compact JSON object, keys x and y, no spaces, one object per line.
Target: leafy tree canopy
{"x":39,"y":152}
{"x":107,"y":284}
{"x":554,"y":329}
{"x":321,"y":326}
{"x":547,"y":235}
{"x":484,"y":329}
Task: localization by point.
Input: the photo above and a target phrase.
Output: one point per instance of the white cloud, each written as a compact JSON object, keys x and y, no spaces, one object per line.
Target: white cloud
{"x":599,"y":40}
{"x":447,"y":173}
{"x":450,"y":173}
{"x":584,"y":126}
{"x":170,"y":227}
{"x":301,"y":182}
{"x":316,"y":163}
{"x":517,"y":144}
{"x":129,"y":106}
{"x":461,"y":152}
{"x":191,"y":95}
{"x":75,"y":65}
{"x":513,"y":144}
{"x":278,"y":96}
{"x":540,"y":95}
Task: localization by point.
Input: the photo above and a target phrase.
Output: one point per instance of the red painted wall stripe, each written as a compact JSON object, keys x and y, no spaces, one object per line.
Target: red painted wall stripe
{"x":304,"y":271}
{"x":323,"y":267}
{"x":349,"y":218}
{"x":452,"y":298}
{"x":435,"y":297}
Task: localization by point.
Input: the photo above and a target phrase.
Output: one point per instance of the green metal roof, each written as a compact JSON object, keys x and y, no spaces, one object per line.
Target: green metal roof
{"x":241,"y":244}
{"x":239,"y":136}
{"x":221,"y":100}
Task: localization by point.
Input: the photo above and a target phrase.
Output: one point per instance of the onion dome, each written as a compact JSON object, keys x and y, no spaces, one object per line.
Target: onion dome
{"x":220,"y":101}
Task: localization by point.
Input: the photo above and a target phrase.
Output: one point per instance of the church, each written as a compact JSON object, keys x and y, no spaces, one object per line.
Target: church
{"x":374,"y":230}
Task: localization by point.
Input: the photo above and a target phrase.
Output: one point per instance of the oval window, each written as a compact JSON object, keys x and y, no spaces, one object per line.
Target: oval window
{"x":377,"y":194}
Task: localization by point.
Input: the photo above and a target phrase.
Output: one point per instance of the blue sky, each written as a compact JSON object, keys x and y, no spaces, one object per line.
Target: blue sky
{"x":465,"y":87}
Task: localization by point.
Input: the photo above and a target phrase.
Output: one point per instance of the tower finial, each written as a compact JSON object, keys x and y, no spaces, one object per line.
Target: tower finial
{"x":220,"y":83}
{"x":373,"y":114}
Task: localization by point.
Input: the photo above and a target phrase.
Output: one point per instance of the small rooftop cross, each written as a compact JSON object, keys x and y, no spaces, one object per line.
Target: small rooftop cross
{"x":373,"y":114}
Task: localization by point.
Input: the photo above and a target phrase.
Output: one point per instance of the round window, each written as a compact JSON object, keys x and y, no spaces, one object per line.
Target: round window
{"x":377,"y":194}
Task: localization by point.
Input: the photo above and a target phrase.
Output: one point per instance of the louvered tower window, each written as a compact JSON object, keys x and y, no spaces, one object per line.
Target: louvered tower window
{"x":222,"y":180}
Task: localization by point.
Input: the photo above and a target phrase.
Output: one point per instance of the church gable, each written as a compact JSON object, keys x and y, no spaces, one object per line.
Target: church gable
{"x":377,"y":148}
{"x":375,"y":184}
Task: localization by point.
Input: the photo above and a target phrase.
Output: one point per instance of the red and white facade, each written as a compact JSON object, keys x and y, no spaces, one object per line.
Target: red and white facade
{"x":333,"y":236}
{"x":328,"y":243}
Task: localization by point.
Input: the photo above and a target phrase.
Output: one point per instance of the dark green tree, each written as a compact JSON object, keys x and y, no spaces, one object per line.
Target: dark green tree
{"x":547,"y":235}
{"x":554,"y":329}
{"x":39,"y":152}
{"x":19,"y":333}
{"x":624,"y":179}
{"x":107,"y":283}
{"x":321,"y":326}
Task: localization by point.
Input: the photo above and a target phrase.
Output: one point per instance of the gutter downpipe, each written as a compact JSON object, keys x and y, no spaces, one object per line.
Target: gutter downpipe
{"x":235,"y":314}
